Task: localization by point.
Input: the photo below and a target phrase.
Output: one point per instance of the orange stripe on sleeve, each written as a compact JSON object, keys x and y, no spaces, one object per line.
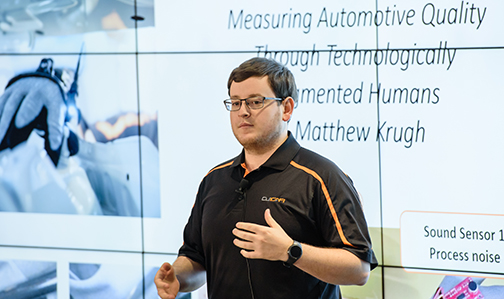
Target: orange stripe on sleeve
{"x":219,"y":167}
{"x":328,"y":200}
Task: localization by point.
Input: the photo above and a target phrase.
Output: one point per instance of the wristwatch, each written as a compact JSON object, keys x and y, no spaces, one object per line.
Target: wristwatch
{"x":295,"y":251}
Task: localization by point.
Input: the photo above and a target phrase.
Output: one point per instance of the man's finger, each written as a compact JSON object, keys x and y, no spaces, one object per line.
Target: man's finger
{"x":163,"y":272}
{"x":269,"y":219}
{"x":243,"y":234}
{"x":251,"y":227}
{"x":243,"y":244}
{"x":248,"y":254}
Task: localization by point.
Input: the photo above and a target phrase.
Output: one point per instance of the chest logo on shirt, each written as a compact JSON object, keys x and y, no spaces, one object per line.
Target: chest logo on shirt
{"x":273,"y":199}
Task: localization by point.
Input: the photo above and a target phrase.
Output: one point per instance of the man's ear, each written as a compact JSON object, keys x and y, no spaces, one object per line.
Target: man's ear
{"x":288,"y":106}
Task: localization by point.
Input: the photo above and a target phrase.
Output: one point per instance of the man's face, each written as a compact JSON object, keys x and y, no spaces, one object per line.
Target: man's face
{"x":261,"y":129}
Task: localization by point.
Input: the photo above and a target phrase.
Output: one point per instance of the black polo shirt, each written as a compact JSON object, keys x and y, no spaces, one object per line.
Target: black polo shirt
{"x":308,"y":195}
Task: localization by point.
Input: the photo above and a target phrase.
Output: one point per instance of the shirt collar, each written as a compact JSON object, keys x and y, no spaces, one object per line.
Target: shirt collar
{"x":280,"y":159}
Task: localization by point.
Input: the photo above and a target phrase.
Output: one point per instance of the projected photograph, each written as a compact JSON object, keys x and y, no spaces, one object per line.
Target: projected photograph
{"x":28,"y":25}
{"x":109,"y":281}
{"x":27,"y":279}
{"x":71,"y":132}
{"x":440,"y":286}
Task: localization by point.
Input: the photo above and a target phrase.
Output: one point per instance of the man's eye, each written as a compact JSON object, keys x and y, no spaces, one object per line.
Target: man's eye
{"x":235,"y":103}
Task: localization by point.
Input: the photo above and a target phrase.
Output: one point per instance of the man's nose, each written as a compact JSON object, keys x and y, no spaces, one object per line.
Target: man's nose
{"x":244,"y":110}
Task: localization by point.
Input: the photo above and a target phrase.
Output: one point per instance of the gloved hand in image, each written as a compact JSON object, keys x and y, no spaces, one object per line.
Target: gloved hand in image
{"x":33,"y":102}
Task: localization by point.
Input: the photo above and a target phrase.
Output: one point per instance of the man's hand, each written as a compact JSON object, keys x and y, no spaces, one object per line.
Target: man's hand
{"x":30,"y":95}
{"x":166,"y":282}
{"x":262,"y":242}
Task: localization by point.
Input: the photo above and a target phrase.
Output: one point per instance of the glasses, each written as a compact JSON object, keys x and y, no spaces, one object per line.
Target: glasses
{"x":252,"y":103}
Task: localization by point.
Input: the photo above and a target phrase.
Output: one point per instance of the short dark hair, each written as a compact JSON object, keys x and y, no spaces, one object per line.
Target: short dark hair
{"x":280,"y":77}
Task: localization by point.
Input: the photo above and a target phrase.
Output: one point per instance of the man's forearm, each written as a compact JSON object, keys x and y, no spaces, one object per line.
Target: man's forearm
{"x":190,"y":274}
{"x":333,"y":265}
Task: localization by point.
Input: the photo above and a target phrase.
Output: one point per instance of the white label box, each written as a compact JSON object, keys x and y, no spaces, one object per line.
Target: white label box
{"x":451,"y":241}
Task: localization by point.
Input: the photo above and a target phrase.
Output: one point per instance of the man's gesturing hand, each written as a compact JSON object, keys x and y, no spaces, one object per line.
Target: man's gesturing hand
{"x":166,"y":282}
{"x":262,"y":242}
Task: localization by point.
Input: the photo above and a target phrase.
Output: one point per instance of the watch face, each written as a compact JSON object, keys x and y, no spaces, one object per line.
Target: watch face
{"x":295,"y":251}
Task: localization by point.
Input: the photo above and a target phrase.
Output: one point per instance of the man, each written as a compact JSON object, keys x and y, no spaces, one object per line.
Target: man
{"x":278,"y":221}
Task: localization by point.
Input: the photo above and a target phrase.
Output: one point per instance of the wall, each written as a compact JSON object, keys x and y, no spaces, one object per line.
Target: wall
{"x":404,"y":96}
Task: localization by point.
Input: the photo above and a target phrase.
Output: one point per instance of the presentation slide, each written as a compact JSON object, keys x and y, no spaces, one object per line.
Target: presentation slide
{"x":111,"y":114}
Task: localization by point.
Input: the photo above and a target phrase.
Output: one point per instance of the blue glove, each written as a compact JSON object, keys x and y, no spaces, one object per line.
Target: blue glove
{"x":35,"y":101}
{"x":24,"y":100}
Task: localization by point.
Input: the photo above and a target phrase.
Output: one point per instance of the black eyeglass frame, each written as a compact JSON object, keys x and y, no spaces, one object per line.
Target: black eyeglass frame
{"x":228,"y":102}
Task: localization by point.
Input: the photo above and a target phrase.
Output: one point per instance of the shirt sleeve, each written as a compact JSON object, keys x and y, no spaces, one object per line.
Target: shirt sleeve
{"x":192,"y":247}
{"x":341,"y":219}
